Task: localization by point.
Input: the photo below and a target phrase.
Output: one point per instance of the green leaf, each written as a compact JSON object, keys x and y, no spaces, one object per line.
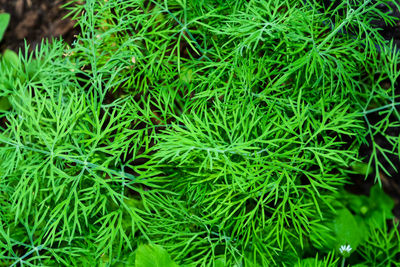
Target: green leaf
{"x":362,"y":226}
{"x":4,"y":20}
{"x":374,"y":209}
{"x":153,"y":256}
{"x":362,"y":168}
{"x":10,"y":58}
{"x":381,"y":201}
{"x":347,"y":230}
{"x":219,"y":263}
{"x":359,"y":204}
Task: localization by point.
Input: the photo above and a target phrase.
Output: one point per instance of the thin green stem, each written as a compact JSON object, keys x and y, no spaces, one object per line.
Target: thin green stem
{"x":348,"y":18}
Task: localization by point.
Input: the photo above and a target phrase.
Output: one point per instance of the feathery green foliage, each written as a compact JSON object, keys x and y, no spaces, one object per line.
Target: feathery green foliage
{"x":200,"y":133}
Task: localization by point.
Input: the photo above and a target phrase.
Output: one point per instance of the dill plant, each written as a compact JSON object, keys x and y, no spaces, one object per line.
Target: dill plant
{"x":205,"y":133}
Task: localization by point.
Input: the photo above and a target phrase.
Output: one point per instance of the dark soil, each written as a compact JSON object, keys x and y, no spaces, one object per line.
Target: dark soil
{"x":33,"y":21}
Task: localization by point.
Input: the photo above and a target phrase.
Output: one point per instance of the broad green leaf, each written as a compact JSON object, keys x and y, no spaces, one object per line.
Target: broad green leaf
{"x":359,"y":204}
{"x":4,"y":20}
{"x":362,"y":225}
{"x":219,"y":263}
{"x":153,"y":256}
{"x":347,"y":230}
{"x":382,"y":202}
{"x":10,"y":58}
{"x":374,"y":209}
{"x":362,"y":168}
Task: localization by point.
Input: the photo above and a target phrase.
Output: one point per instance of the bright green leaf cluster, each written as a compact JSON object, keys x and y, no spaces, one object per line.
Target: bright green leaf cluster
{"x":200,"y":133}
{"x":4,"y":20}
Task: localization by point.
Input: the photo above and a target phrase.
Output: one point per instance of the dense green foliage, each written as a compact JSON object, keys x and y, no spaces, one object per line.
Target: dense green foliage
{"x":201,"y":133}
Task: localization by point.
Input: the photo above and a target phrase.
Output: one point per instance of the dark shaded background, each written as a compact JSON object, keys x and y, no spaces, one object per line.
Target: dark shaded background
{"x":35,"y":20}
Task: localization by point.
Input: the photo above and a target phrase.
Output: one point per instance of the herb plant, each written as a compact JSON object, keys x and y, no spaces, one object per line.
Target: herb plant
{"x":201,"y":133}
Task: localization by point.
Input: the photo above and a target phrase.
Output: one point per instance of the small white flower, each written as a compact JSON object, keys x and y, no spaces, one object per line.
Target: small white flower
{"x":345,"y":250}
